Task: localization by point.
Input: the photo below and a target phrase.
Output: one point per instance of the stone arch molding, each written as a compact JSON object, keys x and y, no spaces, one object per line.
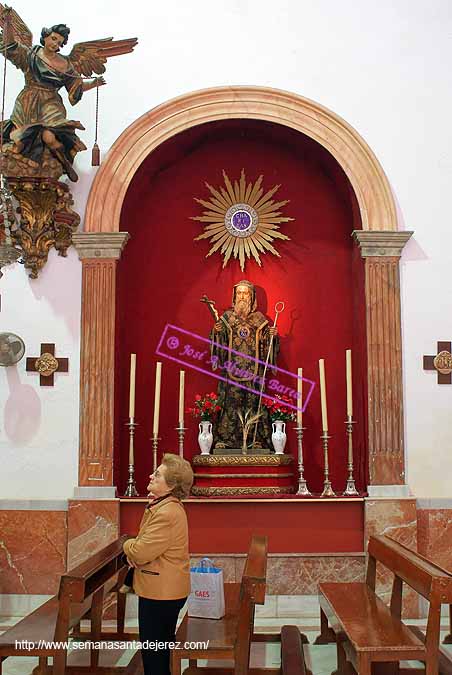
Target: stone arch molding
{"x":372,"y":189}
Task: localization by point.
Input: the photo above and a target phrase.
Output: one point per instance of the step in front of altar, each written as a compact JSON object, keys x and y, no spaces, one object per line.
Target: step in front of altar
{"x":243,"y":475}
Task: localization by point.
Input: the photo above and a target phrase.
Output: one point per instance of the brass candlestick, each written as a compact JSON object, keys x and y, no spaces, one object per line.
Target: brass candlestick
{"x":350,"y":490}
{"x":302,"y":486}
{"x":327,"y":489}
{"x":181,"y":433}
{"x":131,"y":489}
{"x":155,"y":445}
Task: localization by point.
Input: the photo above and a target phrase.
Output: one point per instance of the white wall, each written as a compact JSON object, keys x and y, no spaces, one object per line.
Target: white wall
{"x":39,"y":425}
{"x":384,"y":67}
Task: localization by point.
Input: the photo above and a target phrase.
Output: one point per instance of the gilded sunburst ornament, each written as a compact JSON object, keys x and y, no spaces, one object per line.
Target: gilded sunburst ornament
{"x":241,"y":220}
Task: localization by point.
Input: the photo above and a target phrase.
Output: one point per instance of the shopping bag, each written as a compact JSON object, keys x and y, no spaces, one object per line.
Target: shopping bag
{"x":206,"y":599}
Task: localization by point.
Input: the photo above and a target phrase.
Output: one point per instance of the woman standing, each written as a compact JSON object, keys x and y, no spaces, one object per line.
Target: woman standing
{"x":159,"y":555}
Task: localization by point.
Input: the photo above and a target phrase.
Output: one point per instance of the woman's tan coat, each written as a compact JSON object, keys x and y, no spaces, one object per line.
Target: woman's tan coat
{"x":161,"y":552}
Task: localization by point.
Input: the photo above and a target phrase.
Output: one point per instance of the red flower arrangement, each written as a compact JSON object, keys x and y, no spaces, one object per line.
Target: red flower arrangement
{"x":206,"y":407}
{"x":277,"y":410}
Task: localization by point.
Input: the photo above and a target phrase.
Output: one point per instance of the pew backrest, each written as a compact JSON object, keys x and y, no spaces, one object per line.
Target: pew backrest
{"x":83,"y":586}
{"x":426,"y":578}
{"x":252,"y":592}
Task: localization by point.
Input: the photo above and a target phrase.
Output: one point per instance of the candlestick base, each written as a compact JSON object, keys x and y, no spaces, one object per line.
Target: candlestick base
{"x":350,"y":490}
{"x":131,"y":489}
{"x":327,"y":489}
{"x":303,"y":488}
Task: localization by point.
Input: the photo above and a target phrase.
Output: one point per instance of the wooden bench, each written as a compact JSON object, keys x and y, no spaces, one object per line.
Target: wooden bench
{"x":229,"y":638}
{"x":445,"y":657}
{"x":448,"y":639}
{"x":366,"y":630}
{"x":80,"y":596}
{"x":292,"y":655}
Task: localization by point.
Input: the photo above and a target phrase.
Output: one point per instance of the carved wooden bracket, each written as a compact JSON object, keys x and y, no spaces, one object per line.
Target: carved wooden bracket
{"x":46,"y":219}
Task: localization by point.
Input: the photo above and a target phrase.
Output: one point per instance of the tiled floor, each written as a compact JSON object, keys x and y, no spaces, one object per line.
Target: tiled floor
{"x":320,"y":659}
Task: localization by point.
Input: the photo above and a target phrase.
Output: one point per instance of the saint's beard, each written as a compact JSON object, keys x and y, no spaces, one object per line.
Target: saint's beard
{"x":242,"y":308}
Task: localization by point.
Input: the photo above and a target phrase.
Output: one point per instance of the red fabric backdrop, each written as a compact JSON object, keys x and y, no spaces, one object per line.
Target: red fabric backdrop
{"x":163,"y":273}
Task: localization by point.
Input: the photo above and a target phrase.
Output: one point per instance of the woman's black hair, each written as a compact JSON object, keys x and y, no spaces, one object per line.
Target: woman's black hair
{"x":59,"y":28}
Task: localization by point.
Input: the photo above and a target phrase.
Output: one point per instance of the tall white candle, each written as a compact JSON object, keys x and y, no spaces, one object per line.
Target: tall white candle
{"x":158,"y":378}
{"x":323,"y":395}
{"x":299,"y":397}
{"x":133,"y":365}
{"x":348,"y":372}
{"x":181,"y":397}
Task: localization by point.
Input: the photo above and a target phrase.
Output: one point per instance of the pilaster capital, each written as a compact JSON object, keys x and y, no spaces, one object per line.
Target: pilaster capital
{"x":383,"y":243}
{"x":100,"y":244}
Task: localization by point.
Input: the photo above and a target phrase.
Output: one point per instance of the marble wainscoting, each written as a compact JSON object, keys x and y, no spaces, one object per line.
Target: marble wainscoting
{"x":92,"y":525}
{"x":41,"y":539}
{"x":434,"y":530}
{"x":434,"y":535}
{"x":396,"y":518}
{"x":292,"y":579}
{"x":33,"y":541}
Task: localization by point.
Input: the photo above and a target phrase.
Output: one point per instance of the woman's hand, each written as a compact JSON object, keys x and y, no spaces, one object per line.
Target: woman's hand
{"x":131,"y":563}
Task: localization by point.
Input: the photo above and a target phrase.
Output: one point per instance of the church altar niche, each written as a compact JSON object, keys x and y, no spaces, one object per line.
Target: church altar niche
{"x":163,"y":274}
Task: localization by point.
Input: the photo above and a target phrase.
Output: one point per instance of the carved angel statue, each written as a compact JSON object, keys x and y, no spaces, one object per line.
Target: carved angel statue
{"x":38,"y":124}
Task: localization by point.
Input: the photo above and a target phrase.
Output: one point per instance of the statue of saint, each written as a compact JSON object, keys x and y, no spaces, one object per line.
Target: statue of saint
{"x":245,"y":330}
{"x":38,"y":126}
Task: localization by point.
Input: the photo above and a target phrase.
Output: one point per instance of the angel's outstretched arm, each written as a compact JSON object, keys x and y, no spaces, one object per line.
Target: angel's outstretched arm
{"x":16,"y":39}
{"x":15,"y":52}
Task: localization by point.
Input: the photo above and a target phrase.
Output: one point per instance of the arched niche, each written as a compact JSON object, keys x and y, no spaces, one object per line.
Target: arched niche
{"x":378,"y":243}
{"x":371,"y":187}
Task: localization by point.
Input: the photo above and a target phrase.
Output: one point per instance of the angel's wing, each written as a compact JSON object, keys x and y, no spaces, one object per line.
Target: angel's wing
{"x":89,"y":57}
{"x":21,"y":32}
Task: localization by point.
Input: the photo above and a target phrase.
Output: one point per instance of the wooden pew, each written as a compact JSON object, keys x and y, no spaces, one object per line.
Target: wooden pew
{"x":444,"y":658}
{"x":366,"y":630}
{"x":292,"y":655}
{"x":229,"y":638}
{"x":80,"y":596}
{"x":448,"y":639}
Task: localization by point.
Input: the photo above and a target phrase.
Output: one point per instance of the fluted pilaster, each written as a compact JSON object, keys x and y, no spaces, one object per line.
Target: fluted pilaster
{"x":99,"y":253}
{"x":381,"y":251}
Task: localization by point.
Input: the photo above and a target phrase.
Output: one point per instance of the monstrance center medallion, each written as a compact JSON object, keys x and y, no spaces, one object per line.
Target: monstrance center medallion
{"x":241,"y":220}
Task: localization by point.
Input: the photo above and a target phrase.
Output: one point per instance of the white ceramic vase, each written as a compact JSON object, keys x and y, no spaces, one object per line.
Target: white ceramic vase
{"x":279,"y":437}
{"x":205,"y":437}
